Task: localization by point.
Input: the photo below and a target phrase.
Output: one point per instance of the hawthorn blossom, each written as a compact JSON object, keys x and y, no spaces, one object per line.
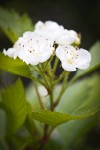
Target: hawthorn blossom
{"x":42,"y":91}
{"x":37,"y":47}
{"x":32,"y":48}
{"x":10,"y":52}
{"x":50,"y":28}
{"x":57,"y":32}
{"x":66,"y":37}
{"x":72,"y":58}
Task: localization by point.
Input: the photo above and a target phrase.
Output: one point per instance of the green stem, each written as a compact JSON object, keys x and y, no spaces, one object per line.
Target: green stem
{"x":55,"y":64}
{"x":51,"y":101}
{"x":48,"y":82}
{"x":38,"y":95}
{"x":43,"y":76}
{"x":44,"y":139}
{"x":62,"y":90}
{"x":32,"y":69}
{"x":60,"y":77}
{"x":39,"y":81}
{"x":48,"y":62}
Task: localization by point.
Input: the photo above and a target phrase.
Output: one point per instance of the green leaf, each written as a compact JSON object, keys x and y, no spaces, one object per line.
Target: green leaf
{"x":56,"y":118}
{"x":95,"y":62}
{"x":13,"y":102}
{"x":2,"y":124}
{"x":16,"y":66}
{"x":81,"y":100}
{"x":75,"y":130}
{"x":13,"y":25}
{"x":81,"y":95}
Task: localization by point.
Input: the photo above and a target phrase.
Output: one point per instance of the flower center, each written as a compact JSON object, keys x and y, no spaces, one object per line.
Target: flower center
{"x":70,"y":61}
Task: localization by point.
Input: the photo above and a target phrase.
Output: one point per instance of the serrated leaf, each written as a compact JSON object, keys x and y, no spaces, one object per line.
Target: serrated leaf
{"x":56,"y":118}
{"x":95,"y":62}
{"x":13,"y":102}
{"x":14,"y":25}
{"x":16,"y":66}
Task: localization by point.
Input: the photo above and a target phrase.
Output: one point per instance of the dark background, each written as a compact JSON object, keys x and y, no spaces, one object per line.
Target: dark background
{"x":82,"y":16}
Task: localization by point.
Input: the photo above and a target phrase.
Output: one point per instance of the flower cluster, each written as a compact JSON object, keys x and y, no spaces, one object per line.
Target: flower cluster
{"x":38,"y":46}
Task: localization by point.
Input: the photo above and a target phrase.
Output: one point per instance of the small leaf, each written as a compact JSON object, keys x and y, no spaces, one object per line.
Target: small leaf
{"x":13,"y":25}
{"x":13,"y":102}
{"x":16,"y":66}
{"x":56,"y":118}
{"x":95,"y":62}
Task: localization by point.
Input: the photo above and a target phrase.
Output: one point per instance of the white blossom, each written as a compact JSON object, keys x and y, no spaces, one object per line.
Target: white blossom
{"x":50,"y":28}
{"x":32,"y":48}
{"x":42,"y":91}
{"x":37,"y":47}
{"x":71,"y":58}
{"x":66,"y":37}
{"x":10,"y":52}
{"x":57,"y":32}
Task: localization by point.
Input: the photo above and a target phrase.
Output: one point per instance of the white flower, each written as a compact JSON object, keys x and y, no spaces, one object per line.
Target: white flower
{"x":42,"y":91}
{"x":10,"y":52}
{"x":57,"y":32}
{"x":32,"y":48}
{"x":72,"y":58}
{"x":66,"y":37}
{"x":50,"y":28}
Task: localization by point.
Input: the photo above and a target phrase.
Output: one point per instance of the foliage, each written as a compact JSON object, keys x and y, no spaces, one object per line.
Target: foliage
{"x":13,"y":25}
{"x":25,"y":122}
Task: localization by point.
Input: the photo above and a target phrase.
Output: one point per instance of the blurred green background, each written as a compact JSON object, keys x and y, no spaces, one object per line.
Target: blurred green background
{"x":82,"y":16}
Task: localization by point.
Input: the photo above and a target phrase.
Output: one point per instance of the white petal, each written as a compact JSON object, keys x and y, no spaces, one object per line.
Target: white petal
{"x":68,"y":67}
{"x":65,"y":37}
{"x":10,"y":52}
{"x":60,"y":53}
{"x":39,"y":25}
{"x":73,"y":33}
{"x":51,"y":25}
{"x":83,"y":59}
{"x":42,"y":91}
{"x":34,"y":48}
{"x":45,"y":56}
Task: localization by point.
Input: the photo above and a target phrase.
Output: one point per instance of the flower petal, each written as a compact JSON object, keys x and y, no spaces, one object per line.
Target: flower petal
{"x":83,"y":59}
{"x":60,"y":53}
{"x":39,"y":26}
{"x":10,"y":52}
{"x":68,"y":67}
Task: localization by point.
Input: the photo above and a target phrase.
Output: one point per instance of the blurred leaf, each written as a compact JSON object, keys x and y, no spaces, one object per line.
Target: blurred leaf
{"x":81,"y":95}
{"x":20,"y":139}
{"x":56,"y":118}
{"x":2,"y":124}
{"x":95,"y":62}
{"x":13,"y":25}
{"x":16,"y":66}
{"x":32,"y":98}
{"x":71,"y":133}
{"x":13,"y":101}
